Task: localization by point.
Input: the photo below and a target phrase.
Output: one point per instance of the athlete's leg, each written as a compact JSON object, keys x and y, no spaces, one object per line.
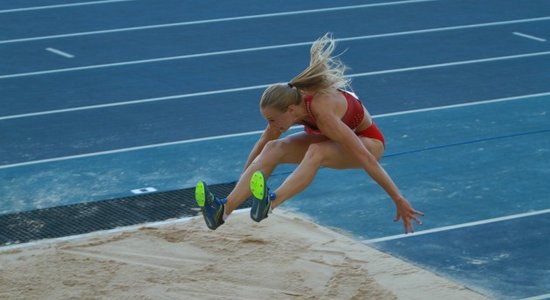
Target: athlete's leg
{"x":325,"y":154}
{"x":290,"y":149}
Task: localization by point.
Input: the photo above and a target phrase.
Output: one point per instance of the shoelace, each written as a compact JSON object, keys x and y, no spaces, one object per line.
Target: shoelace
{"x":221,"y":201}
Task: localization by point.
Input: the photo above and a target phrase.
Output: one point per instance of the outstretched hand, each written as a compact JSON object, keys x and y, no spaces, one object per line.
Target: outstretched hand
{"x":406,"y":212}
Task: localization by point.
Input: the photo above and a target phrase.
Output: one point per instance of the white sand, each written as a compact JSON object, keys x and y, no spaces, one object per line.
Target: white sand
{"x":284,"y":257}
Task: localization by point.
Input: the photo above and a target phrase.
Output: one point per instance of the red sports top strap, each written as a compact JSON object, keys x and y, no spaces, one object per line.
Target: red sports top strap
{"x":308,"y":99}
{"x":355,"y":113}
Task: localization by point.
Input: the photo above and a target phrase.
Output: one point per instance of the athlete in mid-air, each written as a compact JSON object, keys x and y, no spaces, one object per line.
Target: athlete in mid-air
{"x":339,"y":133}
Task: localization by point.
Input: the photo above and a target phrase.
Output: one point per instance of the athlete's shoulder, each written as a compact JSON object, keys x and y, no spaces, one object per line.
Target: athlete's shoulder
{"x":328,"y":104}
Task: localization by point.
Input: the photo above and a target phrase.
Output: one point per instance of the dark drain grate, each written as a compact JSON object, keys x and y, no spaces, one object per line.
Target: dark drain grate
{"x":102,"y":215}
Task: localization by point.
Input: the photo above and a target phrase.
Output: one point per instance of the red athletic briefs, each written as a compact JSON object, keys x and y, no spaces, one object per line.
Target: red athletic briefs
{"x":372,"y":132}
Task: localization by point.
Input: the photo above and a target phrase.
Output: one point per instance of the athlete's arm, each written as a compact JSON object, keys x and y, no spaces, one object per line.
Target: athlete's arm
{"x":333,"y":127}
{"x":270,"y":133}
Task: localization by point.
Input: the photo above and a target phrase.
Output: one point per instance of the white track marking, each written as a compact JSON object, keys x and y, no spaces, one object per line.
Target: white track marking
{"x":59,"y":52}
{"x":381,"y":35}
{"x":132,"y":102}
{"x":450,"y":64}
{"x":215,"y":92}
{"x":56,"y":159}
{"x":4,"y":11}
{"x":539,"y":297}
{"x":178,"y":57}
{"x":458,"y":226}
{"x":208,"y":21}
{"x":529,"y":36}
{"x":49,"y":160}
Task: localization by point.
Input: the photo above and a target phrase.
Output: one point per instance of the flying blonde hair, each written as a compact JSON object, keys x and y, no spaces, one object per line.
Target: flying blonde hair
{"x":323,"y":74}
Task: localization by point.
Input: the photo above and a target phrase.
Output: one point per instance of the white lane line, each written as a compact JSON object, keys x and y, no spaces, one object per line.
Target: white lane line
{"x":532,"y":37}
{"x":457,"y":27}
{"x":262,"y":86}
{"x":263,"y":48}
{"x":152,"y":60}
{"x":458,"y":226}
{"x":59,"y":52}
{"x":436,"y":29}
{"x":4,"y":11}
{"x":491,"y":101}
{"x":181,"y":142}
{"x":207,"y":21}
{"x":34,"y":162}
{"x":133,"y":102}
{"x":450,"y":64}
{"x":539,"y":297}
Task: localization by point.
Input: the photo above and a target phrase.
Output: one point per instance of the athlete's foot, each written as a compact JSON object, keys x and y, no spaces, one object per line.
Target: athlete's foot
{"x":212,"y":208}
{"x":261,"y":202}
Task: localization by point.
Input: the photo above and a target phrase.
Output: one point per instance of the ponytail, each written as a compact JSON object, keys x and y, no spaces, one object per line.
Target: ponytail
{"x":324,"y":72}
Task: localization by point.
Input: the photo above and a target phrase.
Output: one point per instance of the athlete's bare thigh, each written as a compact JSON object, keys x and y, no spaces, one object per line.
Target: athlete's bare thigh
{"x":296,"y":145}
{"x":335,"y":156}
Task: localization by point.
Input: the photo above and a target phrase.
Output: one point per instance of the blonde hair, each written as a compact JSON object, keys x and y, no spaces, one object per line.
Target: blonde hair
{"x":323,"y":74}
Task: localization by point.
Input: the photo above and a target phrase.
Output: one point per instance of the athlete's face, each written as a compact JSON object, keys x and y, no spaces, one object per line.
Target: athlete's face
{"x":278,"y":119}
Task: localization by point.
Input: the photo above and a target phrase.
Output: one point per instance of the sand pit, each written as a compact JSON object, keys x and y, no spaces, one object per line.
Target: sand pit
{"x":283,"y":257}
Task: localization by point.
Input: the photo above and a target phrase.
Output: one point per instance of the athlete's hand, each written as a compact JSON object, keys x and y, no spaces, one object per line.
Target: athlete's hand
{"x":406,"y":212}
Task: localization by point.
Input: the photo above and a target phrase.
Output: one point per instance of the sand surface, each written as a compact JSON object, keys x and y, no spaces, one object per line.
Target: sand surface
{"x":283,"y":257}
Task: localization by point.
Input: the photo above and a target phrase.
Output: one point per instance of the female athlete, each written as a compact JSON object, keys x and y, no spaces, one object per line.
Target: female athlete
{"x":339,"y":133}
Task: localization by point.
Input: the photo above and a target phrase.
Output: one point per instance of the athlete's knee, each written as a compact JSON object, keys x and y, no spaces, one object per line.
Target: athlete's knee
{"x":273,"y":151}
{"x":272,"y":148}
{"x":315,"y":154}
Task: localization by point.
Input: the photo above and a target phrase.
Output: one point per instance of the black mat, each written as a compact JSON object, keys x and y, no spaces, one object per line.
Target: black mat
{"x":102,"y":215}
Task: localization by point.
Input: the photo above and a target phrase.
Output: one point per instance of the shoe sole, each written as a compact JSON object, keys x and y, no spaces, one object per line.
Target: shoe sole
{"x":200,"y":197}
{"x":200,"y":194}
{"x":257,"y":185}
{"x":258,"y":211}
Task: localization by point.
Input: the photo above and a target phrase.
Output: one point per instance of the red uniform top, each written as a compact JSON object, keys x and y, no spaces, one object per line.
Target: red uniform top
{"x":352,"y":118}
